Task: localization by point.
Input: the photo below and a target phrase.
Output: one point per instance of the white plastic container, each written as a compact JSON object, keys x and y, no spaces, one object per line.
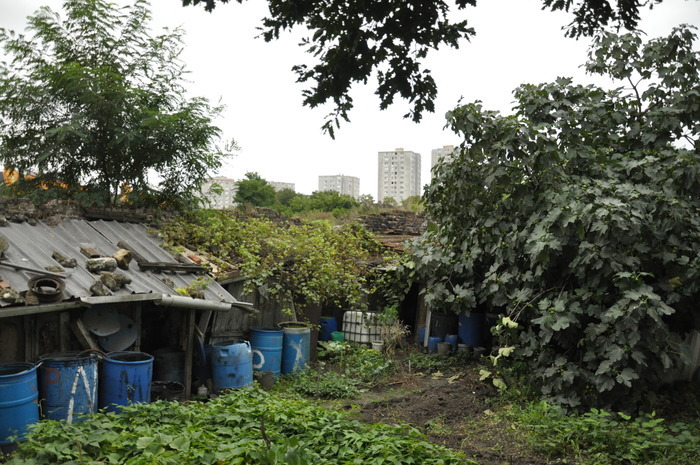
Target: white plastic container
{"x":362,"y":327}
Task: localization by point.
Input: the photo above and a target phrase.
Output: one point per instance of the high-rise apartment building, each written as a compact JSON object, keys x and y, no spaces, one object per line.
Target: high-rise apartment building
{"x":447,"y":152}
{"x":344,"y":185}
{"x":278,"y":186}
{"x":223,"y":199}
{"x":398,"y":175}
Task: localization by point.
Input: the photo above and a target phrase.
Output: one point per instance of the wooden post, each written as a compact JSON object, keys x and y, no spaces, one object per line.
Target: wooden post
{"x":427,"y":328}
{"x":64,"y":331}
{"x":137,"y":321}
{"x":29,"y":338}
{"x":189,"y":347}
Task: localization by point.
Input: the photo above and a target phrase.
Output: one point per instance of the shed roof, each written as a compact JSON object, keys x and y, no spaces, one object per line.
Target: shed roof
{"x":32,"y":246}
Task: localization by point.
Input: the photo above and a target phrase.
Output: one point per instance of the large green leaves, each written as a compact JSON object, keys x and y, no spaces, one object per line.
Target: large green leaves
{"x":579,"y":215}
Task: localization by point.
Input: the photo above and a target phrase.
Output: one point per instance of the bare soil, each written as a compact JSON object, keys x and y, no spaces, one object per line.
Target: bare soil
{"x":454,"y":409}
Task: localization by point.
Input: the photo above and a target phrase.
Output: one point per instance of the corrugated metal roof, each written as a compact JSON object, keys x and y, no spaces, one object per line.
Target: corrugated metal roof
{"x":33,"y":246}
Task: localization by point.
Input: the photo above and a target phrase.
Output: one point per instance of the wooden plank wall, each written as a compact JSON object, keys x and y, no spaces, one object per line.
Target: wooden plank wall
{"x":235,"y":325}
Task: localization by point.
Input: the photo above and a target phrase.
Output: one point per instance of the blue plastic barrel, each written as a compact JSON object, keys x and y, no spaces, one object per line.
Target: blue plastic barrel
{"x":471,"y":329}
{"x":420,"y":335}
{"x":125,"y":378}
{"x":67,"y":385}
{"x":296,"y":347}
{"x":328,"y":325}
{"x":266,"y":342}
{"x":19,"y":406}
{"x":433,"y":343}
{"x":453,"y":339}
{"x":231,"y":365}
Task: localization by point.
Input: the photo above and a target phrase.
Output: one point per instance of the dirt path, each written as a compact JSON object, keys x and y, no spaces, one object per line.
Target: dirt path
{"x":454,"y":410}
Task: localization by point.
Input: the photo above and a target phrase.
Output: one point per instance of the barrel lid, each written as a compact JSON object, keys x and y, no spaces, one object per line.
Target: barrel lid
{"x":67,"y":356}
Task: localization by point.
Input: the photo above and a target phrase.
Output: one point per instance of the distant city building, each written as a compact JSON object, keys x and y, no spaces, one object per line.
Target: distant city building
{"x":225,"y":198}
{"x":278,"y":186}
{"x":447,"y":152}
{"x":398,"y":175}
{"x":344,"y":185}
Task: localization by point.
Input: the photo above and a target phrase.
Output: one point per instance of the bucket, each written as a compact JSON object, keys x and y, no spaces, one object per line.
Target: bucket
{"x":453,"y":339}
{"x":169,"y":365}
{"x":433,"y":344}
{"x":443,"y":348}
{"x":231,"y":365}
{"x":464,"y":348}
{"x":125,"y":378}
{"x":337,"y":336}
{"x":19,"y":396}
{"x":471,"y":329}
{"x":67,"y":385}
{"x":266,"y":379}
{"x":328,"y":326}
{"x":378,"y":346}
{"x":266,"y":342}
{"x":442,"y":324}
{"x":167,"y":390}
{"x":295,"y":347}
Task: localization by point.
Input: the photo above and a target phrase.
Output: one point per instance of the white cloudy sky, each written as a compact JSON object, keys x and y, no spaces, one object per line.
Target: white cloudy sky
{"x":516,"y":42}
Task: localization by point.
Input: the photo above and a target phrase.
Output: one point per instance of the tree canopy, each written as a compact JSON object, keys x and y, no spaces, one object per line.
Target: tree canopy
{"x":254,"y":191}
{"x":352,"y":40}
{"x":93,"y":102}
{"x":578,"y":217}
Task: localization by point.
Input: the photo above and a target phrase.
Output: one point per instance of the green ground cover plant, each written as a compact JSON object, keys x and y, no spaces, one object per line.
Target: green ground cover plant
{"x":247,"y":426}
{"x":598,"y":437}
{"x":322,"y":384}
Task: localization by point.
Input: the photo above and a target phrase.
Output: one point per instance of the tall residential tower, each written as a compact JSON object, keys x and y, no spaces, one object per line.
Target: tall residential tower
{"x":398,"y":175}
{"x":344,"y":185}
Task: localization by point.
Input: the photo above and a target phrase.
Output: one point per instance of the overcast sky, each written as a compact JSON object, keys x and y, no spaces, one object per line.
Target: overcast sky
{"x":515,"y":43}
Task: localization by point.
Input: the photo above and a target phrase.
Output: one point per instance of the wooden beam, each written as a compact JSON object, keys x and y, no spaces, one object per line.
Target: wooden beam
{"x":64,"y":331}
{"x":189,"y":349}
{"x":168,"y":266}
{"x":83,"y":335}
{"x":138,"y":312}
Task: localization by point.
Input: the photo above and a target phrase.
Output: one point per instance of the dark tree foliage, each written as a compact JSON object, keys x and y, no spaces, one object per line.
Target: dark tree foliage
{"x":591,"y":15}
{"x":351,"y":40}
{"x":578,"y":217}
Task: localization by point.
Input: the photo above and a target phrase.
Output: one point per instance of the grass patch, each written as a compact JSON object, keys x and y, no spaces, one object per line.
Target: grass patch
{"x":598,"y":437}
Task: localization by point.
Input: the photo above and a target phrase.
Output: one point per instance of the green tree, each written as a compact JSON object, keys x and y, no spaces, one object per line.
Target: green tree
{"x":390,"y":202}
{"x":93,"y":102}
{"x":351,"y":40}
{"x":413,"y":203}
{"x":328,"y":201}
{"x":254,"y":191}
{"x":578,"y":217}
{"x":285,"y":196}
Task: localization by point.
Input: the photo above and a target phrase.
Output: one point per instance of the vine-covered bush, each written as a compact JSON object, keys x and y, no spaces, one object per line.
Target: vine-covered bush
{"x":304,"y":263}
{"x":579,"y":217}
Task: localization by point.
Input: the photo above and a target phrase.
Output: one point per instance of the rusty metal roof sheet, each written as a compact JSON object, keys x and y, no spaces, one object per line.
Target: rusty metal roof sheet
{"x":33,"y":246}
